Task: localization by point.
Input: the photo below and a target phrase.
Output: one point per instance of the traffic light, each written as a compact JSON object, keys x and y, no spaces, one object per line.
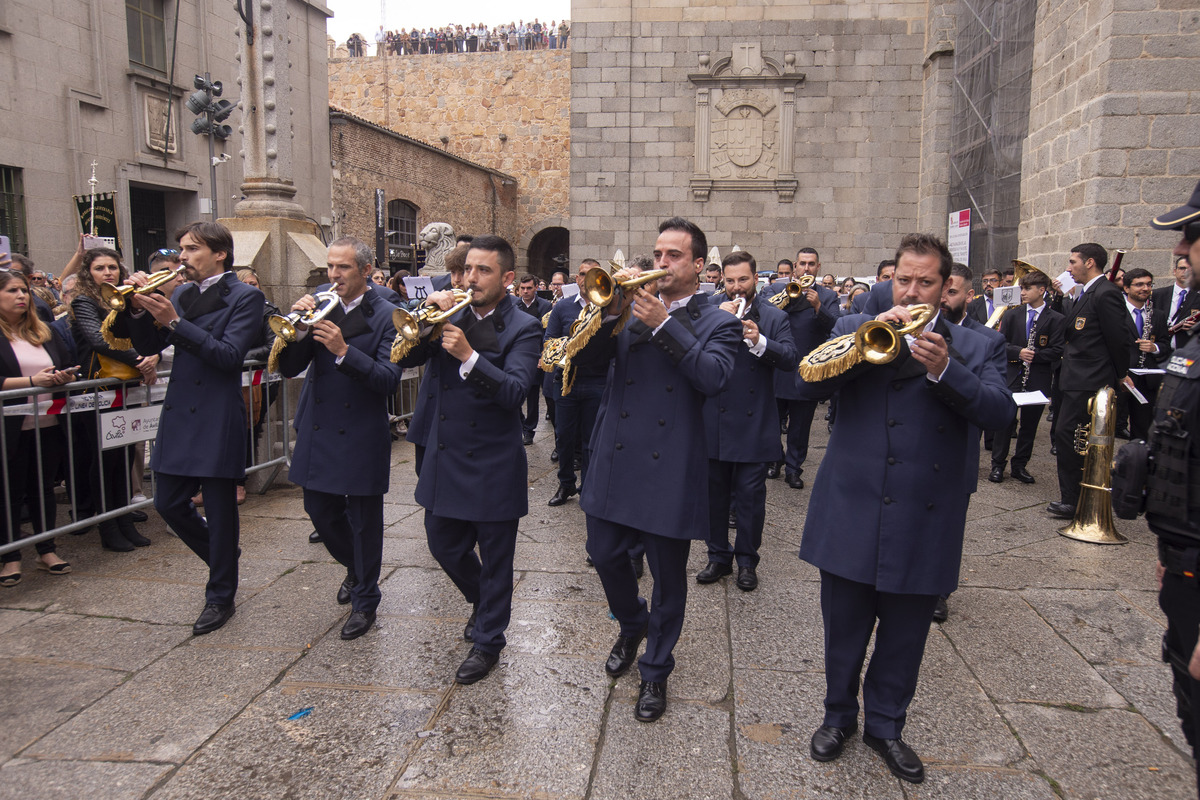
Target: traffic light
{"x":208,"y":110}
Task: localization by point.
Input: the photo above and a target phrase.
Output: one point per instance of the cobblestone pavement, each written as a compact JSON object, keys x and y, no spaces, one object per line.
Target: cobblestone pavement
{"x":1045,"y":681}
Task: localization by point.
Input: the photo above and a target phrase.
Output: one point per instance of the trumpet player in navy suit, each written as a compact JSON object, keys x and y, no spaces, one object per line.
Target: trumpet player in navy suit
{"x":811,"y":317}
{"x":418,"y":426}
{"x":343,"y":447}
{"x":741,"y":424}
{"x":473,"y":482}
{"x":885,"y":522}
{"x":649,"y":466}
{"x":1033,"y":334}
{"x":201,"y":443}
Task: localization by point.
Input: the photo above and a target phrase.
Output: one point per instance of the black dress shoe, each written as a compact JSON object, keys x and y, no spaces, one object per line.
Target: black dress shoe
{"x":589,"y":561}
{"x":828,"y":741}
{"x":315,"y":538}
{"x":794,"y":480}
{"x":713,"y":572}
{"x":1061,"y":510}
{"x":747,"y":579}
{"x":475,"y":666}
{"x":624,"y":653}
{"x":348,"y":583}
{"x":359,"y":623}
{"x":211,"y":618}
{"x":563,"y":494}
{"x":899,"y":757}
{"x":652,"y":701}
{"x":941,"y":611}
{"x":1123,"y":433}
{"x":639,"y":567}
{"x":773,"y":470}
{"x":469,"y":630}
{"x":1053,"y":449}
{"x":527,"y":437}
{"x":1022,"y":474}
{"x":996,"y":475}
{"x":138,"y":515}
{"x":554,"y":455}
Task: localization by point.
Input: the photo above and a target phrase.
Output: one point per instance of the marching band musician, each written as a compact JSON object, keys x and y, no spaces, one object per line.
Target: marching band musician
{"x":1179,"y":303}
{"x":201,"y":442}
{"x":343,"y":446}
{"x":1150,"y":349}
{"x":649,"y":468}
{"x":526,"y":299}
{"x":1034,"y":335}
{"x":742,"y":423}
{"x":473,"y":482}
{"x":888,"y":509}
{"x":1096,"y":354}
{"x":811,"y":317}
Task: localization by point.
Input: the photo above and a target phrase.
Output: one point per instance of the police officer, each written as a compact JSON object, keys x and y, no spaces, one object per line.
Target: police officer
{"x":1171,"y":510}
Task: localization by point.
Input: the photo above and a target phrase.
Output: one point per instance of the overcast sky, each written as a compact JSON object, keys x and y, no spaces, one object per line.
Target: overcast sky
{"x":365,"y":16}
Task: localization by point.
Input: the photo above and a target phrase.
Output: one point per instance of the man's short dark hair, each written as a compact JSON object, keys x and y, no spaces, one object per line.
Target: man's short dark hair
{"x":740,"y":257}
{"x":1134,"y":274}
{"x":497,"y":245}
{"x":562,"y":272}
{"x":527,"y":278}
{"x":699,"y":240}
{"x":591,"y":261}
{"x":807,"y":251}
{"x":992,"y":271}
{"x":926,"y":244}
{"x":1035,"y":278}
{"x":960,"y":270}
{"x":1093,"y":251}
{"x":887,"y":262}
{"x":716,"y":267}
{"x":363,"y":257}
{"x":24,"y":264}
{"x":214,"y":236}
{"x":783,"y":261}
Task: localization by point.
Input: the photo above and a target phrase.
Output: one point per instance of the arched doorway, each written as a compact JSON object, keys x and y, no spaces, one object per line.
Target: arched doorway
{"x":548,"y":252}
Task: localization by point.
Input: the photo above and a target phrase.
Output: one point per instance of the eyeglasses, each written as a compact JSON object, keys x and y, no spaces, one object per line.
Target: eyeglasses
{"x":38,"y":279}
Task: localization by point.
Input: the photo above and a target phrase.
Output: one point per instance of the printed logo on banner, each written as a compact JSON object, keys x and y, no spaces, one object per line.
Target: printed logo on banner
{"x":130,"y":425}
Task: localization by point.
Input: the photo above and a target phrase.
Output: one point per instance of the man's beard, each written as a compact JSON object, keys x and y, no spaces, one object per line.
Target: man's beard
{"x":955,"y":315}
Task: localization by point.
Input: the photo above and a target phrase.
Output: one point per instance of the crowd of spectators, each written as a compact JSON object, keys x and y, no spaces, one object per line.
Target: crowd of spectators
{"x":477,"y":38}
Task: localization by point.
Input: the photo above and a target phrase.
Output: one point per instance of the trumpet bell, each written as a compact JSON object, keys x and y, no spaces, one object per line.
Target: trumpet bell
{"x":284,"y":327}
{"x":408,"y":327}
{"x":878,"y":342}
{"x":115,"y":297}
{"x":599,"y":288}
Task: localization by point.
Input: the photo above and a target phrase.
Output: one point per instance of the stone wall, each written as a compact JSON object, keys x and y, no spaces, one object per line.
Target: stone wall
{"x":1113,"y":139}
{"x":856,"y":137}
{"x":506,"y":111}
{"x":444,"y":188}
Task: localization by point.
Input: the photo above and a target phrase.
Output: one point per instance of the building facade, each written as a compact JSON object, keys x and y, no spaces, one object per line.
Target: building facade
{"x":91,"y":80}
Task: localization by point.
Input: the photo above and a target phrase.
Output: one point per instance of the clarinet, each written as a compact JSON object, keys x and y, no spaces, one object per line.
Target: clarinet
{"x":1147,"y":320}
{"x":1026,"y":365}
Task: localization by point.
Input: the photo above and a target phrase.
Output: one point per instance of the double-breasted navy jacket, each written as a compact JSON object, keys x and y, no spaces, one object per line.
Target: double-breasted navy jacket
{"x":343,"y":442}
{"x":474,"y":467}
{"x":889,"y":503}
{"x":810,"y":327}
{"x":649,"y":462}
{"x":202,"y":426}
{"x":741,"y":423}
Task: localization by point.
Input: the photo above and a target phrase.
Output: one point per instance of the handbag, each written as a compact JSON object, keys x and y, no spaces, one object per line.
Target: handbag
{"x":111,"y":368}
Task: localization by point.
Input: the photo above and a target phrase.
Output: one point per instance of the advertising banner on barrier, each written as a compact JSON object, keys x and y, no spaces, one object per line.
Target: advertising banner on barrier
{"x":128,"y":426}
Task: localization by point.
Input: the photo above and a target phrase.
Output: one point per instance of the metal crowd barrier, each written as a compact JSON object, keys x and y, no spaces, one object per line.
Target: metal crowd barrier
{"x":126,"y":413}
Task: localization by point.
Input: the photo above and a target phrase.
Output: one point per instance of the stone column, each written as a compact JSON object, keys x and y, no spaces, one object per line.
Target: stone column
{"x":936,"y":117}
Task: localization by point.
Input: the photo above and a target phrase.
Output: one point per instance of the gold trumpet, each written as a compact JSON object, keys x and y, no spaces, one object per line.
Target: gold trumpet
{"x":874,"y":342}
{"x":117,"y":297}
{"x":793,"y":291}
{"x":287,"y":327}
{"x":600,"y":288}
{"x":426,"y":322}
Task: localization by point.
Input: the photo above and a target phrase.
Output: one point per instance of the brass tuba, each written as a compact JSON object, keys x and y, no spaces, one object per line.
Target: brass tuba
{"x":1093,"y":520}
{"x":794,"y":290}
{"x":874,"y":342}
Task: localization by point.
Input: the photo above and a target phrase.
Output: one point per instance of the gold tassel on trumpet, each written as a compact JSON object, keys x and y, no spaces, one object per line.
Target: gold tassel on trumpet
{"x":106,"y":332}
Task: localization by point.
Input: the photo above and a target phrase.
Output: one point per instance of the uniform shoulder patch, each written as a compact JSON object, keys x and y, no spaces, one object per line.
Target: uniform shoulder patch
{"x":1182,"y":365}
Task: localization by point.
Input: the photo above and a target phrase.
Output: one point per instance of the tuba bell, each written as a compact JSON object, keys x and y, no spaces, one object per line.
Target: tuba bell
{"x":1093,"y":520}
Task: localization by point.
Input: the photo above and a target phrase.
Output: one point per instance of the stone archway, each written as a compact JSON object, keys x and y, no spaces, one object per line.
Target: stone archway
{"x":548,"y":251}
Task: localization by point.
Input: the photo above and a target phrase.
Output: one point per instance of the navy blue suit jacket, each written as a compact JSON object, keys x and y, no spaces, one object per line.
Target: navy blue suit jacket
{"x":741,"y":423}
{"x":810,"y":327}
{"x":202,"y":428}
{"x":474,"y":466}
{"x":387,"y":294}
{"x":876,"y":301}
{"x":343,"y":443}
{"x":649,"y":464}
{"x":890,"y":500}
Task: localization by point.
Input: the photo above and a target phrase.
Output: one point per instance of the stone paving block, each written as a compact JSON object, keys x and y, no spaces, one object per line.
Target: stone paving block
{"x":183,"y":566}
{"x":14,"y":619}
{"x":95,"y":641}
{"x":290,"y":614}
{"x":775,"y":714}
{"x":1004,"y":531}
{"x":399,"y":653}
{"x":410,"y":527}
{"x":414,"y":552}
{"x":281,"y":538}
{"x":167,"y":710}
{"x":979,"y":783}
{"x":1024,"y":659}
{"x":146,"y":601}
{"x":578,"y":629}
{"x":31,"y":779}
{"x":683,"y":754}
{"x":560,"y":587}
{"x":702,"y":653}
{"x":421,"y":593}
{"x":351,"y":745}
{"x":528,"y":729}
{"x":1009,"y":571}
{"x":45,"y":696}
{"x":1146,"y":600}
{"x":1100,"y":625}
{"x":1148,"y":690}
{"x":1107,"y":753}
{"x":951,"y":720}
{"x":554,"y":557}
{"x":779,"y":629}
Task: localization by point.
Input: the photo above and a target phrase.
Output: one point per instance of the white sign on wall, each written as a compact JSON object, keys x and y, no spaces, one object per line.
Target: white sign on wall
{"x":958,"y":236}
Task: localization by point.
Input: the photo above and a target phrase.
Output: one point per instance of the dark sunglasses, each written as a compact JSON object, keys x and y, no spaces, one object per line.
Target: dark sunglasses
{"x":166,"y":252}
